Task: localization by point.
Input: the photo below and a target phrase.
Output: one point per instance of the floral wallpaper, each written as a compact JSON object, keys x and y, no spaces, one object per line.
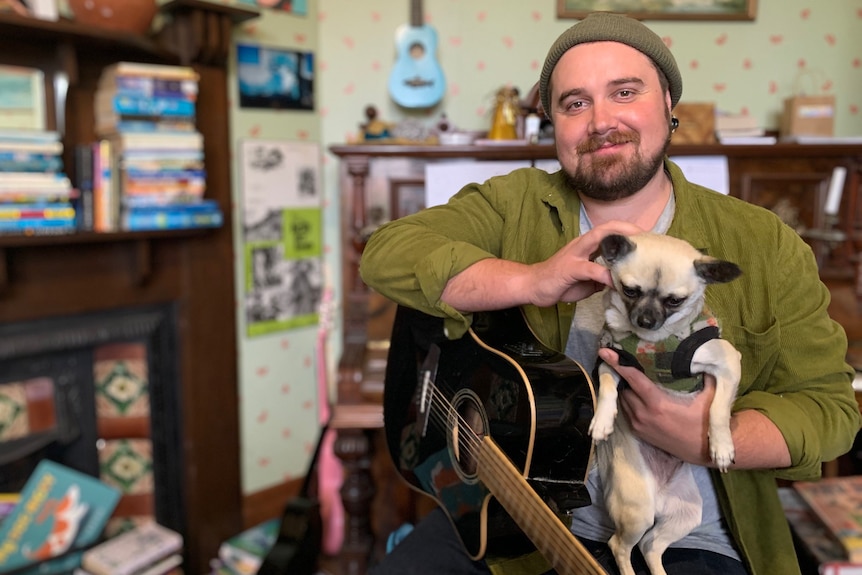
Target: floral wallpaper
{"x":744,"y":67}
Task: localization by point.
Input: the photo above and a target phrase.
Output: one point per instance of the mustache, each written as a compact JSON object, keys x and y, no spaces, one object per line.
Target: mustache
{"x":594,"y":143}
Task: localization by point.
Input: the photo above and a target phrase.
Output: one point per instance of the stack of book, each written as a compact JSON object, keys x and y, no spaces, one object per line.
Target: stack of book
{"x":146,"y":549}
{"x":59,"y":513}
{"x":244,"y":553}
{"x":149,"y":162}
{"x":35,"y":194}
{"x":826,"y":518}
{"x":740,"y":129}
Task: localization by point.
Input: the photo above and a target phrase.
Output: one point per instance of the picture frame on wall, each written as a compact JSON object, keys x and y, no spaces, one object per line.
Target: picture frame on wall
{"x":662,"y":9}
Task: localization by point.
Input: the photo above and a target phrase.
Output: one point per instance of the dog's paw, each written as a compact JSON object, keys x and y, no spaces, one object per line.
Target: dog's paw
{"x":722,"y":452}
{"x":602,"y":425}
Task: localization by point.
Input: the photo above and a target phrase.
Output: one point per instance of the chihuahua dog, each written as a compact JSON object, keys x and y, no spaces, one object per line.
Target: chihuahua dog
{"x":656,"y":319}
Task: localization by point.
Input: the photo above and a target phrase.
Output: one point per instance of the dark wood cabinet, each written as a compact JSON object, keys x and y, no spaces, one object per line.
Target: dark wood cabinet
{"x":790,"y":179}
{"x":193,"y":271}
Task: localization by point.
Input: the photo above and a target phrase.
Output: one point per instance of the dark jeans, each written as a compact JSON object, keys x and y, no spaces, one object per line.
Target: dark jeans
{"x":433,"y":548}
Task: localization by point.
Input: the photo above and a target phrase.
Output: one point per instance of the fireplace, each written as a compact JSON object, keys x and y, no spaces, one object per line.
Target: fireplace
{"x":99,"y":393}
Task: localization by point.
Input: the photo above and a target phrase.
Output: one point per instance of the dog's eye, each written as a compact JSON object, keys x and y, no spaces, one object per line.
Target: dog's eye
{"x":674,"y":301}
{"x":631,"y":292}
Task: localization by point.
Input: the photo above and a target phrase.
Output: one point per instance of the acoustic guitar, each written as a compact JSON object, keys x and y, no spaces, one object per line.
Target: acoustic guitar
{"x":493,"y":427}
{"x":416,"y":80}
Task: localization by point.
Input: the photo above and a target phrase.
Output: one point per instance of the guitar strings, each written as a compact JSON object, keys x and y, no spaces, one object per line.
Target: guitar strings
{"x":567,"y":551}
{"x":467,"y":438}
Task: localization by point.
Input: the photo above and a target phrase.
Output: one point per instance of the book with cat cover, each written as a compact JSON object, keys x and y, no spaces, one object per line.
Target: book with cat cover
{"x":60,"y":512}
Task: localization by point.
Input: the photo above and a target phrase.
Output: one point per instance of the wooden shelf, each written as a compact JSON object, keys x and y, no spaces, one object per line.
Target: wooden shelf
{"x":22,"y":28}
{"x":547,"y":151}
{"x":48,"y":276}
{"x":36,"y":240}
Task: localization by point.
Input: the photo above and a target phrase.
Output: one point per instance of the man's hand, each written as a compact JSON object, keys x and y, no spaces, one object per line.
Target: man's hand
{"x":571,"y":275}
{"x":567,"y":276}
{"x":679,"y":425}
{"x":676,"y":424}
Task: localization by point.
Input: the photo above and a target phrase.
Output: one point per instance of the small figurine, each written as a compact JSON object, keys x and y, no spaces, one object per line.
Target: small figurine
{"x":374,"y":129}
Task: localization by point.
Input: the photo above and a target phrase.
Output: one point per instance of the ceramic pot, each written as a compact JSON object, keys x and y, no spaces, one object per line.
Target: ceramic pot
{"x":125,"y":15}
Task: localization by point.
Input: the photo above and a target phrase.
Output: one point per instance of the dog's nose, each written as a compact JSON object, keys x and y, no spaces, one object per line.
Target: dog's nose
{"x":647,"y":321}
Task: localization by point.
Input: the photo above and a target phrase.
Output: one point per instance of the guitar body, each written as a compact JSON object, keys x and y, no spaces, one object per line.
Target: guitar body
{"x":416,"y":80}
{"x":500,"y":384}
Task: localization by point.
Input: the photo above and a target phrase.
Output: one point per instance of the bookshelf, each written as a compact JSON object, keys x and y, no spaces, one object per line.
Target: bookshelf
{"x":57,"y":276}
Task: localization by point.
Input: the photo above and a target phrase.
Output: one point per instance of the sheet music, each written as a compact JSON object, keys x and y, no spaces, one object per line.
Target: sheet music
{"x":709,"y":171}
{"x":444,"y":179}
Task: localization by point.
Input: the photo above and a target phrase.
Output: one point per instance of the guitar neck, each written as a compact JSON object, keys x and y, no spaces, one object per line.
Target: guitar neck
{"x":416,"y":16}
{"x":550,"y":536}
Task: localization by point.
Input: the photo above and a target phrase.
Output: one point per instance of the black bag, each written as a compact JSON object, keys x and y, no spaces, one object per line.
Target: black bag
{"x":297,"y":547}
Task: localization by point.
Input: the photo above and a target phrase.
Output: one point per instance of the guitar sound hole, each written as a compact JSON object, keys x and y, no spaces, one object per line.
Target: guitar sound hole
{"x":468,"y":425}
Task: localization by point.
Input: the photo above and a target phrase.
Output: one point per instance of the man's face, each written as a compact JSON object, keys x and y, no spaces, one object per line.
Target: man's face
{"x":611,"y":119}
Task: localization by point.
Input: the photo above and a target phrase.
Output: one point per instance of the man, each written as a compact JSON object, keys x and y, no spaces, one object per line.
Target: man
{"x":525,"y":239}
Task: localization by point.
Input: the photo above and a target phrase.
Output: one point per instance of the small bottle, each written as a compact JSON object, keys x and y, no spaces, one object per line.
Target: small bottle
{"x":531,"y":128}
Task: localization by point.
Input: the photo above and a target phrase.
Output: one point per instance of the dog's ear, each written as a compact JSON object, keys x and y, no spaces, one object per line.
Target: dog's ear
{"x":715,"y":271}
{"x":615,"y":247}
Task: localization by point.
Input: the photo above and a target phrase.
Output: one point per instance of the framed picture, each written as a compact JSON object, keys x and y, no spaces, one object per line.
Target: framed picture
{"x":406,"y":196}
{"x":275,"y":78}
{"x":662,"y":9}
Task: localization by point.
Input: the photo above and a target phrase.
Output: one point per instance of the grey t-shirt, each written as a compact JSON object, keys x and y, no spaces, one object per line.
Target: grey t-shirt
{"x":592,"y":522}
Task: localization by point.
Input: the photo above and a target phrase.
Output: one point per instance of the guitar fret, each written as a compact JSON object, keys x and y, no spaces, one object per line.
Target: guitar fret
{"x":541,"y":525}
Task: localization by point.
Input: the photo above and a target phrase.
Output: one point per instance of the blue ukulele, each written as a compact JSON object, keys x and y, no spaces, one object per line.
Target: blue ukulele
{"x":417,"y":80}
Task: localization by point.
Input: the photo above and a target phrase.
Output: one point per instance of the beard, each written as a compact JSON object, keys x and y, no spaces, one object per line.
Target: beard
{"x":616,"y":177}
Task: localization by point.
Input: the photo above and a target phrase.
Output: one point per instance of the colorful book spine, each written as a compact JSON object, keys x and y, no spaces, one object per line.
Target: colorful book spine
{"x":37,"y":225}
{"x":135,"y":220}
{"x":84,"y":184}
{"x":43,"y":164}
{"x":47,"y":211}
{"x":132,"y":551}
{"x":153,"y":70}
{"x":157,"y":125}
{"x":54,"y":148}
{"x":244,"y":553}
{"x":143,"y":106}
{"x":137,"y":174}
{"x":104,"y":196}
{"x":153,"y":87}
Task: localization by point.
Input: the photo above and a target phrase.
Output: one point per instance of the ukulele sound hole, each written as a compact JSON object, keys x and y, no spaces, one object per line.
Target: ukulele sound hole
{"x":417,"y":51}
{"x":467,"y":425}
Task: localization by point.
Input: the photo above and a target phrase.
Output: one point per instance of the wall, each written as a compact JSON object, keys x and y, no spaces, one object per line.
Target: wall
{"x":278,"y":391}
{"x":485,"y":44}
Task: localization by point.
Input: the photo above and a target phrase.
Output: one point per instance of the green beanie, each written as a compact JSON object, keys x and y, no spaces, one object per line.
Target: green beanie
{"x":608,"y":27}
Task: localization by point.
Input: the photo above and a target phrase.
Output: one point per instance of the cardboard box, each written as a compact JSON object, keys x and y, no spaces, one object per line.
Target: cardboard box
{"x":808,"y":116}
{"x":696,"y":123}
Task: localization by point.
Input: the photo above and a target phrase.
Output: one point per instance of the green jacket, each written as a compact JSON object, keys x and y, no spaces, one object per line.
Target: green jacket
{"x":793,"y":367}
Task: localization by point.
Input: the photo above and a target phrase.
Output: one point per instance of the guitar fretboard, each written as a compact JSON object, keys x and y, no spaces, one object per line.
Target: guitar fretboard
{"x":558,"y":545}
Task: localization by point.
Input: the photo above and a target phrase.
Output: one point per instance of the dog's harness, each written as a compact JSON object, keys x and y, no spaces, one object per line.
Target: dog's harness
{"x":668,"y":362}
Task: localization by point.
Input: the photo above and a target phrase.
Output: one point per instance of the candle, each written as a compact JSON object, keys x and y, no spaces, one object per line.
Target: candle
{"x":836,"y":186}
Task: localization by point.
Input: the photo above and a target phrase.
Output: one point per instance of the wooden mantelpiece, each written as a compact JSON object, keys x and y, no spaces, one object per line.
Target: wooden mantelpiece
{"x":761,"y":174}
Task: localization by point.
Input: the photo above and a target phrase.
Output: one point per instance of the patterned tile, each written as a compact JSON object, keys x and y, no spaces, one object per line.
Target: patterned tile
{"x":13,"y":411}
{"x":26,"y":407}
{"x":127,"y":464}
{"x":121,"y":379}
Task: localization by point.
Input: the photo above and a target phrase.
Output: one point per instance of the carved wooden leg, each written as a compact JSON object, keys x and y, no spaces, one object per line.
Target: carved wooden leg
{"x":355,"y":449}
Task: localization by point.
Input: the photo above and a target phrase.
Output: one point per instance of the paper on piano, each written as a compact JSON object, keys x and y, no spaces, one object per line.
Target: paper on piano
{"x":709,"y":171}
{"x":444,"y":179}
